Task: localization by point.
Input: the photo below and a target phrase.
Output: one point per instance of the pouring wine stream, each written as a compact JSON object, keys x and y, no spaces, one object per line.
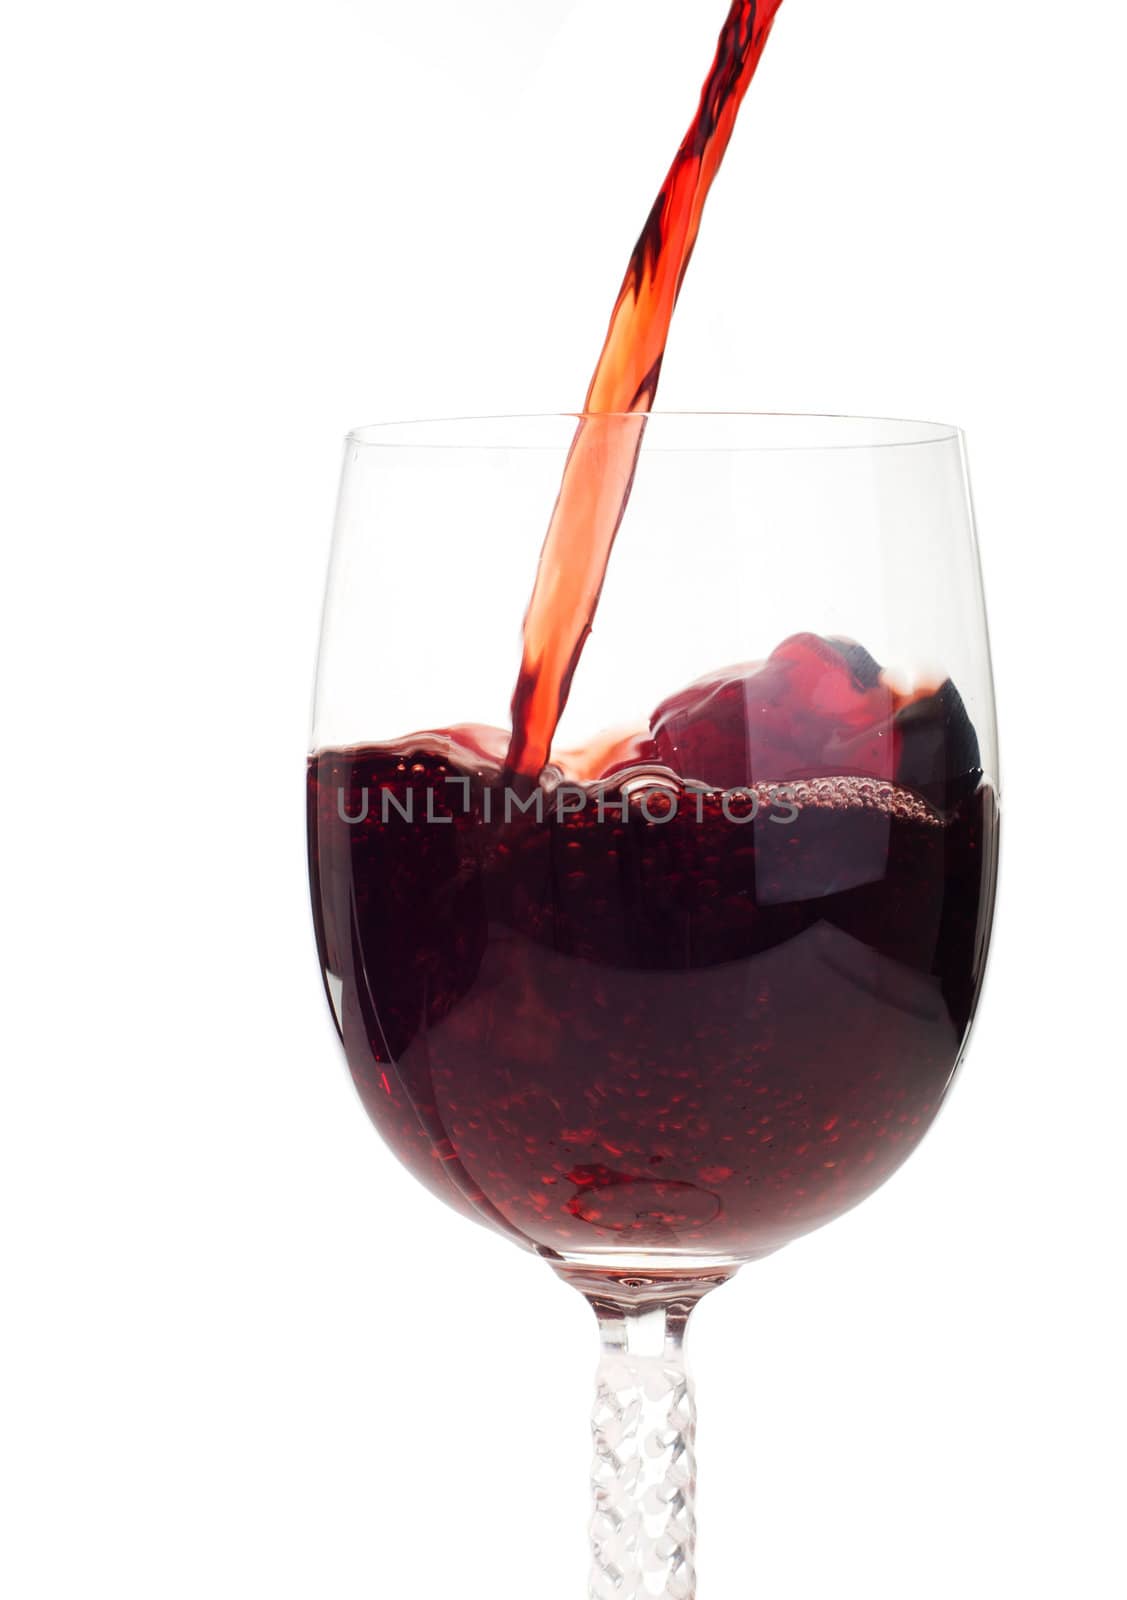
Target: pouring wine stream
{"x":600,"y":470}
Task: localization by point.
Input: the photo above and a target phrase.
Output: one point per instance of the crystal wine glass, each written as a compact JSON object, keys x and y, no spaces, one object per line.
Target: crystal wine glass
{"x":703,"y":984}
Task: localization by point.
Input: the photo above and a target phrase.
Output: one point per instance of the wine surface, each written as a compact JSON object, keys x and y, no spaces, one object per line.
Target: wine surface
{"x":697,"y":1005}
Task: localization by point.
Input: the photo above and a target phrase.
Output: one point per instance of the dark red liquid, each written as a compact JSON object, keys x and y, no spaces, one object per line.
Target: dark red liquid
{"x":697,"y":1033}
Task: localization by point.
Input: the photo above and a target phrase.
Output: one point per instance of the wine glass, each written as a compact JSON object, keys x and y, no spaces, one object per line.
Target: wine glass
{"x":704,"y":985}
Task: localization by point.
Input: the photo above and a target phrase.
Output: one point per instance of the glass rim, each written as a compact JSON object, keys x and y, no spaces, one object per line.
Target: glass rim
{"x":747,"y":432}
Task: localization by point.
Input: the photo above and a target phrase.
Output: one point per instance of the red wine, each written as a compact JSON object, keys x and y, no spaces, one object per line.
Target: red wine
{"x":701,"y":1003}
{"x":694,"y":990}
{"x":604,"y":454}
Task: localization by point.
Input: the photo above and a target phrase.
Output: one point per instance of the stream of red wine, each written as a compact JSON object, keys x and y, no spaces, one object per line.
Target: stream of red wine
{"x":604,"y":455}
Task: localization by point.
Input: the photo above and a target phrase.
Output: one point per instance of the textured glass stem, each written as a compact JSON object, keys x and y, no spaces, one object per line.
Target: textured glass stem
{"x":643,"y":1523}
{"x":643,"y":1476}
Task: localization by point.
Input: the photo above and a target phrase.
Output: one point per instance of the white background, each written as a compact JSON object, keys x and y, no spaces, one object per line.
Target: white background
{"x":242,"y":1353}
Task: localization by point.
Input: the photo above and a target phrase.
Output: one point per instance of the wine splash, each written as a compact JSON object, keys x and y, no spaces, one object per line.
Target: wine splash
{"x":600,"y":470}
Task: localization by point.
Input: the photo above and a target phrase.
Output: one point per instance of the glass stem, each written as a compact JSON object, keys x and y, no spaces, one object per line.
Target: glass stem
{"x":643,"y":1477}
